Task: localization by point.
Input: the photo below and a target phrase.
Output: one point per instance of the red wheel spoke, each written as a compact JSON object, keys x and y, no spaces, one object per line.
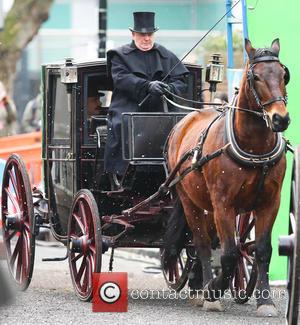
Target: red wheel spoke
{"x":27,"y":227}
{"x":76,"y":258}
{"x":249,"y":243}
{"x":246,"y":271}
{"x":249,"y":258}
{"x":13,"y":180}
{"x":81,"y":270}
{"x":15,"y":253}
{"x":13,"y":200}
{"x":92,"y":260}
{"x":79,"y":223}
{"x":92,"y":249}
{"x":242,"y":223}
{"x":247,"y":231}
{"x":84,"y":217}
{"x":88,"y":276}
{"x":19,"y":263}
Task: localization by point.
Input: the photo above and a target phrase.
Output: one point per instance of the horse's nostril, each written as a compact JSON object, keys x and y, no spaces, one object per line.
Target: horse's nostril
{"x":280,"y":122}
{"x":276,"y":119}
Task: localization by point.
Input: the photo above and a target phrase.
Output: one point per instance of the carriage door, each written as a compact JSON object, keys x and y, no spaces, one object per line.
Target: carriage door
{"x":60,"y":150}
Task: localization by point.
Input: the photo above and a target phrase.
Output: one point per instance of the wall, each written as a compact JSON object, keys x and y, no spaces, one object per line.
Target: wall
{"x":268,"y":20}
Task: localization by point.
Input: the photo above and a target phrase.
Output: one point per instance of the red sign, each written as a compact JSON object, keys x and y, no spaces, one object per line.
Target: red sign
{"x":110,"y":292}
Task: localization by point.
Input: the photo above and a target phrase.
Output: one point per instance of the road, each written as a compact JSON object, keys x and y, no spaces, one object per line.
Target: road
{"x":50,"y":298}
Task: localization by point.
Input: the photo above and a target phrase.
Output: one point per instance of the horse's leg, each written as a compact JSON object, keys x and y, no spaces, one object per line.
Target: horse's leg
{"x":263,"y":226}
{"x":225,"y":224}
{"x":201,"y":239}
{"x":195,"y":277}
{"x":174,"y":241}
{"x":175,"y":235}
{"x":202,"y":242}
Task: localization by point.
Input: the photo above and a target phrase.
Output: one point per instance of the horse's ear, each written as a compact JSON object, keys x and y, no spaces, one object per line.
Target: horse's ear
{"x":249,"y":49}
{"x":276,"y":45}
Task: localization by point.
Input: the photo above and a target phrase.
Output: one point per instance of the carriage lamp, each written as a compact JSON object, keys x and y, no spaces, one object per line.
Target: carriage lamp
{"x":68,"y":74}
{"x":214,"y":73}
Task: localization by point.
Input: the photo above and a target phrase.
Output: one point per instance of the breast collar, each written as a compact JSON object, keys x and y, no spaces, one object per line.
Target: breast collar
{"x":244,"y":158}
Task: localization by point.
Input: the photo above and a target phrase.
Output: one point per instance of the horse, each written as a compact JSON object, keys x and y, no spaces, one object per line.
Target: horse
{"x":244,"y":155}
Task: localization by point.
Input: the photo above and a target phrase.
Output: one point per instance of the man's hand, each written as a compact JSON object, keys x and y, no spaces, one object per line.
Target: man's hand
{"x":158,"y":88}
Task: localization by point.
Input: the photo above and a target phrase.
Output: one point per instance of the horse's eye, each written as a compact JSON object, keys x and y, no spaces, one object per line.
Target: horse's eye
{"x":256,"y":77}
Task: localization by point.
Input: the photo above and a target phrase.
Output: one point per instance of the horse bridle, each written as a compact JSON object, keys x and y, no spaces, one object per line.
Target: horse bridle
{"x":250,"y":78}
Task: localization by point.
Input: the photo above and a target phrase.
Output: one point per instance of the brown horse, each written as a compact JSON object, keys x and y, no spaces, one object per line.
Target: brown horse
{"x":246,"y":174}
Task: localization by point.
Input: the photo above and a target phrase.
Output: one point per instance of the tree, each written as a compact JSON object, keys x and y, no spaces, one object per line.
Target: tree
{"x":20,"y":26}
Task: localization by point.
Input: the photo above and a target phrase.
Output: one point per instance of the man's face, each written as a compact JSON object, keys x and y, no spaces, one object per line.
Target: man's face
{"x":143,"y":42}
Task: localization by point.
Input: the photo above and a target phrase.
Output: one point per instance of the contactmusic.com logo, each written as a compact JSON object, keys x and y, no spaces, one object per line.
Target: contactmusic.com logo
{"x":110,"y":292}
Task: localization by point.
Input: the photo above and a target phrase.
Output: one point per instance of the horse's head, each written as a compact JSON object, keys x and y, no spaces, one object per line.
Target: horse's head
{"x":267,"y":79}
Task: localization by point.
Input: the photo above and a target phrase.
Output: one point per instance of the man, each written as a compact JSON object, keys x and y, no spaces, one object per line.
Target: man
{"x":137,"y":70}
{"x":8,"y":114}
{"x":31,"y":120}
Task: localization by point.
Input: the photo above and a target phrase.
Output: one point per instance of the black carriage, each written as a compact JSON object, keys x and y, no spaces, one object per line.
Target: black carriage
{"x":77,"y":202}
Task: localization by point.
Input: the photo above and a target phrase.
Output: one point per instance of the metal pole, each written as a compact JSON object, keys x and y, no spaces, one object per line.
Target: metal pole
{"x":245,"y":25}
{"x":102,"y":28}
{"x":230,"y":60}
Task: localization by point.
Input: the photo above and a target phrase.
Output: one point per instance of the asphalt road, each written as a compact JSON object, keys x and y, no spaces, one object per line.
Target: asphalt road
{"x":50,"y":298}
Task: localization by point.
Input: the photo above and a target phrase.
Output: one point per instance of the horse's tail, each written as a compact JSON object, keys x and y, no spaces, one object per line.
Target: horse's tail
{"x":176,"y":233}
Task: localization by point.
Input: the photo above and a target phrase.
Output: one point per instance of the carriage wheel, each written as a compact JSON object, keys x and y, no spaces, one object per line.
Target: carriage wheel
{"x":293,"y":283}
{"x":244,"y":278}
{"x":18,"y":221}
{"x":84,"y":243}
{"x":176,"y":275}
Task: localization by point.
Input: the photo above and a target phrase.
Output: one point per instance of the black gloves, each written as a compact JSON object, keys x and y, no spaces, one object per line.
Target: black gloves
{"x":158,"y":88}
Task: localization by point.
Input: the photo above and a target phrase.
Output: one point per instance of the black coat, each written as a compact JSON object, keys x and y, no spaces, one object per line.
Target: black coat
{"x":131,"y":71}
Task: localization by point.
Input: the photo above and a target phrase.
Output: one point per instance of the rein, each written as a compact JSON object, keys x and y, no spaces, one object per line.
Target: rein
{"x":221,"y":108}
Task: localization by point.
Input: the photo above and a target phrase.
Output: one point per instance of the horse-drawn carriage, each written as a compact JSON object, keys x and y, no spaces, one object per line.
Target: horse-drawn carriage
{"x":77,"y":202}
{"x":89,"y":218}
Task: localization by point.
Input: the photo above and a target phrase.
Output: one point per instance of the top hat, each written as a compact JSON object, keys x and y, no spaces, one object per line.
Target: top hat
{"x":144,"y":22}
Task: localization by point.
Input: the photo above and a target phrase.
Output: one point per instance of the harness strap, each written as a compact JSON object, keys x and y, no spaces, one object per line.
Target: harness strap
{"x":196,"y":162}
{"x":246,"y":158}
{"x":202,"y":161}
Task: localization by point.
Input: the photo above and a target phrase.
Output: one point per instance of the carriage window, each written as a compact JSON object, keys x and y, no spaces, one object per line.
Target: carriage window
{"x":96,"y":101}
{"x":61,"y":111}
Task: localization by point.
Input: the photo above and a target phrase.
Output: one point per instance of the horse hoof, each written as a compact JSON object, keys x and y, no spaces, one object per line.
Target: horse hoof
{"x":196,"y":301}
{"x":213,"y":306}
{"x":267,"y":311}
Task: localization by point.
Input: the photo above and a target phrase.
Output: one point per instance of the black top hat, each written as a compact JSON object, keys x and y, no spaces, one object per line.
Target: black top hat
{"x":144,"y":22}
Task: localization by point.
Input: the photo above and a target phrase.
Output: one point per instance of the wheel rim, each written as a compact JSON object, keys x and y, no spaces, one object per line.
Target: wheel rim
{"x":18,"y":222}
{"x":84,"y":243}
{"x":244,"y":278}
{"x":293,"y":286}
{"x":176,"y":275}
